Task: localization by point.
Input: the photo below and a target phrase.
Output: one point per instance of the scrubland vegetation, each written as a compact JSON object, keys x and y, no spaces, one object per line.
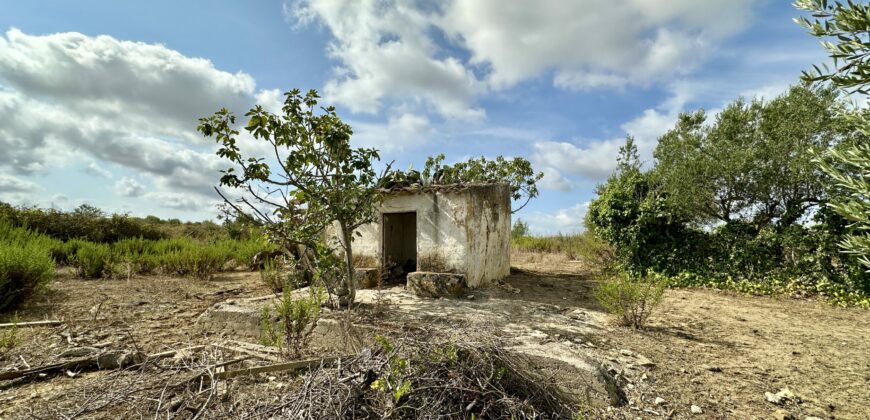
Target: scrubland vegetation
{"x":33,"y":242}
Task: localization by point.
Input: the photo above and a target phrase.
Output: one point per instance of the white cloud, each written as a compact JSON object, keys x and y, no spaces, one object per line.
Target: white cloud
{"x":180,"y":201}
{"x":385,"y":51}
{"x":400,"y":132}
{"x":128,"y":187}
{"x":567,"y":220}
{"x":148,"y":86}
{"x":554,"y":180}
{"x":96,"y":170}
{"x":71,"y":97}
{"x":595,"y":160}
{"x":11,"y":184}
{"x":447,"y":54}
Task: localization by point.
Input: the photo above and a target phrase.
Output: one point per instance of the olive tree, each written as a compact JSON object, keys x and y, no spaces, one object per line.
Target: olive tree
{"x":753,"y":161}
{"x":845,"y":32}
{"x":312,"y":180}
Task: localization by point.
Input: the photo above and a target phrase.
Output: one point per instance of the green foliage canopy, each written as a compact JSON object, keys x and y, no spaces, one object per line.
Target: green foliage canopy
{"x":753,"y":162}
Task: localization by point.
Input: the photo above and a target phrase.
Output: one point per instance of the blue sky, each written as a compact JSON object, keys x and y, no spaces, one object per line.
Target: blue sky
{"x":99,"y":100}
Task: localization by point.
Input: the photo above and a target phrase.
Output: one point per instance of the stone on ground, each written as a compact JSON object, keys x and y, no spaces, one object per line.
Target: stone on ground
{"x":436,"y":285}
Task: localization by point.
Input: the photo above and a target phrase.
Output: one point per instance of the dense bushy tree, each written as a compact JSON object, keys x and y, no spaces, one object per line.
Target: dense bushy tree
{"x":753,"y":162}
{"x":317,"y":179}
{"x":632,"y":213}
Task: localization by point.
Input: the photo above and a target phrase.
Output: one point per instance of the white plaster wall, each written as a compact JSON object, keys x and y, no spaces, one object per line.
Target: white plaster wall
{"x":489,"y":219}
{"x":465,"y":231}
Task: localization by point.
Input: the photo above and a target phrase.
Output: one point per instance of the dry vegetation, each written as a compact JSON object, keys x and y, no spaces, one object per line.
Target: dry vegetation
{"x":716,"y":350}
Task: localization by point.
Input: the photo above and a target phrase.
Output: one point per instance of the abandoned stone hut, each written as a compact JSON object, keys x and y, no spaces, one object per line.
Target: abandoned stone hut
{"x":462,"y":229}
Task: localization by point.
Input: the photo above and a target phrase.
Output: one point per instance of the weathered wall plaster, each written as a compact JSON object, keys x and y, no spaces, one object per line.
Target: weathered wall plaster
{"x":461,"y":230}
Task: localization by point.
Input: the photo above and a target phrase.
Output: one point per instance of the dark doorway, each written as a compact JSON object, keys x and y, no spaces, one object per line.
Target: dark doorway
{"x":400,"y":243}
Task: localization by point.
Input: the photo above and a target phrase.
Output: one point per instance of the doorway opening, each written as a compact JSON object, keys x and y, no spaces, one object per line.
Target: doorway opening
{"x":400,"y":244}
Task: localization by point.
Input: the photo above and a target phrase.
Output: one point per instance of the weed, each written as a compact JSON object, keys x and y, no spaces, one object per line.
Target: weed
{"x":296,"y":319}
{"x":631,"y":300}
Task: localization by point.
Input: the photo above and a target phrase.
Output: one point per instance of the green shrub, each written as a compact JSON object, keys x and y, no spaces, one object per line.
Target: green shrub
{"x":631,"y":300}
{"x":86,"y":223}
{"x":296,"y":319}
{"x":199,"y":261}
{"x":26,"y":265}
{"x":94,"y":261}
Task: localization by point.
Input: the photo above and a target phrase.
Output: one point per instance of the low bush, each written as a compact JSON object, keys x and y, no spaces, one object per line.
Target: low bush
{"x":294,"y":320}
{"x":631,"y":300}
{"x":26,"y":264}
{"x":94,"y":261}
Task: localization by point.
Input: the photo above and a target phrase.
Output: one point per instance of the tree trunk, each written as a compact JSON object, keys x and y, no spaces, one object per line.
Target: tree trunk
{"x":347,"y":238}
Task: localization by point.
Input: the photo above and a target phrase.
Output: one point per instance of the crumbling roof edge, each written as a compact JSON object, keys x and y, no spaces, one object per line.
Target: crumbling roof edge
{"x":421,"y":189}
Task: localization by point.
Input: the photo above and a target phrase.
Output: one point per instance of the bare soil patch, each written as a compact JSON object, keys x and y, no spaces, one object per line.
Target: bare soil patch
{"x":718,"y":351}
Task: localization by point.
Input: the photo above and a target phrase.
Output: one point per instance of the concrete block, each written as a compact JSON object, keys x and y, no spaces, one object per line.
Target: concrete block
{"x":436,"y":285}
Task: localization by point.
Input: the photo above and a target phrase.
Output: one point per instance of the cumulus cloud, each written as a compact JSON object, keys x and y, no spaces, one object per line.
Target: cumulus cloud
{"x":554,"y":180}
{"x":11,"y":184}
{"x":128,"y":187}
{"x":595,"y":160}
{"x":567,"y":220}
{"x":400,"y":132}
{"x":445,"y":55}
{"x":70,"y":97}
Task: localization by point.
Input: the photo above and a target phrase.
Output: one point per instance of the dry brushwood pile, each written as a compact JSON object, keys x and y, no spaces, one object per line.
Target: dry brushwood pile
{"x":405,"y":379}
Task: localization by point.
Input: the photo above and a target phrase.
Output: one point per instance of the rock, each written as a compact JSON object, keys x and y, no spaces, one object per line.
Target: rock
{"x":782,"y":415}
{"x":643,"y":361}
{"x":119,"y":358}
{"x":812,"y":418}
{"x":79,"y":352}
{"x":625,"y":352}
{"x":611,"y":384}
{"x":258,"y":261}
{"x":696,"y":410}
{"x":784,"y":395}
{"x":366,"y":278}
{"x":470,"y":297}
{"x":436,"y":285}
{"x":660,"y":401}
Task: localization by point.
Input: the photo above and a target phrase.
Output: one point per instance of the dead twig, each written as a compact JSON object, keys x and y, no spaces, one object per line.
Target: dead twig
{"x":280,"y":367}
{"x":49,"y":323}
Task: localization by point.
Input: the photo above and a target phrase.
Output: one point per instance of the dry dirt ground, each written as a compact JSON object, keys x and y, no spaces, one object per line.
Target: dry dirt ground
{"x":720,"y":352}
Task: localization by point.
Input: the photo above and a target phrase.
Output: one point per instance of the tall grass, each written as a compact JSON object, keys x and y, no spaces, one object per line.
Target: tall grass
{"x":582,"y":246}
{"x":26,"y":264}
{"x":176,"y":256}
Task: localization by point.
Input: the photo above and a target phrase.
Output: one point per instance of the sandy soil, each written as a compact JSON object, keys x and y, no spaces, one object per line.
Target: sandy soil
{"x":718,"y":351}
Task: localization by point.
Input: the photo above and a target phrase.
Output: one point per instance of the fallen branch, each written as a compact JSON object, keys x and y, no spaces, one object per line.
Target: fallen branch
{"x":171,"y":353}
{"x":249,"y":352}
{"x":280,"y":367}
{"x":51,"y":323}
{"x":104,"y":360}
